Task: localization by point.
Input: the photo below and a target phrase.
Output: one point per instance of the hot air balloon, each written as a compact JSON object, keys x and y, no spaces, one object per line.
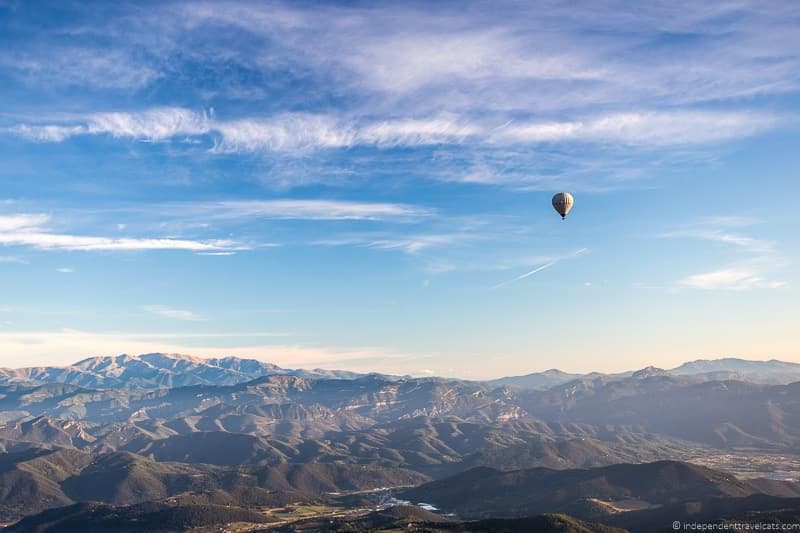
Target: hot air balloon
{"x":562,"y":203}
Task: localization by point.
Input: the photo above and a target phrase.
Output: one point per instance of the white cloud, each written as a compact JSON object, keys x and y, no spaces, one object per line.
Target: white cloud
{"x":733,"y":278}
{"x":22,"y":221}
{"x":29,"y":230}
{"x":58,"y":241}
{"x":65,"y":270}
{"x":171,"y":312}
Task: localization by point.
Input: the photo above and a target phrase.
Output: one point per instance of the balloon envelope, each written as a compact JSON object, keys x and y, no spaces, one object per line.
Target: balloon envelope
{"x":562,"y":203}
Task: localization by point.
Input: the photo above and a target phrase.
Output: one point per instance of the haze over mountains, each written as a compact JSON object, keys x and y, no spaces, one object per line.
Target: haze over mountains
{"x":181,"y":431}
{"x":771,"y":372}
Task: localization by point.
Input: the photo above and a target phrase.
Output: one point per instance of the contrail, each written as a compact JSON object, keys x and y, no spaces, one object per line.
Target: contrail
{"x":526,"y":274}
{"x":540,"y":268}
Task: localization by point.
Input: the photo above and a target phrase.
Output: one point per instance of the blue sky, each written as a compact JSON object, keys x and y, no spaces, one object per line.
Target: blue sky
{"x":366,"y":186}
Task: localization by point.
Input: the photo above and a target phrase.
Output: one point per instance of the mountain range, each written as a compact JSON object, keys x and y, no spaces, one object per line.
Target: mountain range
{"x":722,"y":413}
{"x":156,"y":370}
{"x":159,"y":370}
{"x":186,"y":440}
{"x":771,"y":372}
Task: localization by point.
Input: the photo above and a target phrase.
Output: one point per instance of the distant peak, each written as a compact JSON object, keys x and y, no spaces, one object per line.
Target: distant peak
{"x":649,"y":371}
{"x":173,"y":356}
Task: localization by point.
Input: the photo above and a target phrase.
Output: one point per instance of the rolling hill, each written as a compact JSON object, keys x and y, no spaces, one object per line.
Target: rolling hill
{"x":34,"y":480}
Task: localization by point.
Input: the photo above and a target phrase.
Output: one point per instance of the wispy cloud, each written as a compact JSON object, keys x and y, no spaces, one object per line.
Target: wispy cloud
{"x":35,"y":229}
{"x":151,"y":124}
{"x":723,"y":230}
{"x":284,"y":132}
{"x":644,"y":128}
{"x":410,"y":244}
{"x":48,"y":132}
{"x":746,"y":274}
{"x":535,"y":81}
{"x":65,"y":270}
{"x":417,"y":132}
{"x":508,"y":55}
{"x":100,"y":67}
{"x":415,"y":243}
{"x":13,"y":259}
{"x":304,"y":132}
{"x":172,"y":312}
{"x":300,"y":209}
{"x":404,"y":60}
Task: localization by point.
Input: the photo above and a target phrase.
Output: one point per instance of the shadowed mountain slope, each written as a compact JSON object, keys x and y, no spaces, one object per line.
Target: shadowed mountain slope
{"x":758,"y":508}
{"x":97,"y":517}
{"x":488,"y":492}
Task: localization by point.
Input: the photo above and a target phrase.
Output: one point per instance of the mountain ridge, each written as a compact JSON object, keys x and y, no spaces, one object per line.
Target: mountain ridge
{"x":767,"y":372}
{"x":166,"y":370}
{"x":157,"y":370}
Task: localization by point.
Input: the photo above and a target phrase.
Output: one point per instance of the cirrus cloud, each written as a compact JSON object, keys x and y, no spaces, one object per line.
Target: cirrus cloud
{"x":305,"y":132}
